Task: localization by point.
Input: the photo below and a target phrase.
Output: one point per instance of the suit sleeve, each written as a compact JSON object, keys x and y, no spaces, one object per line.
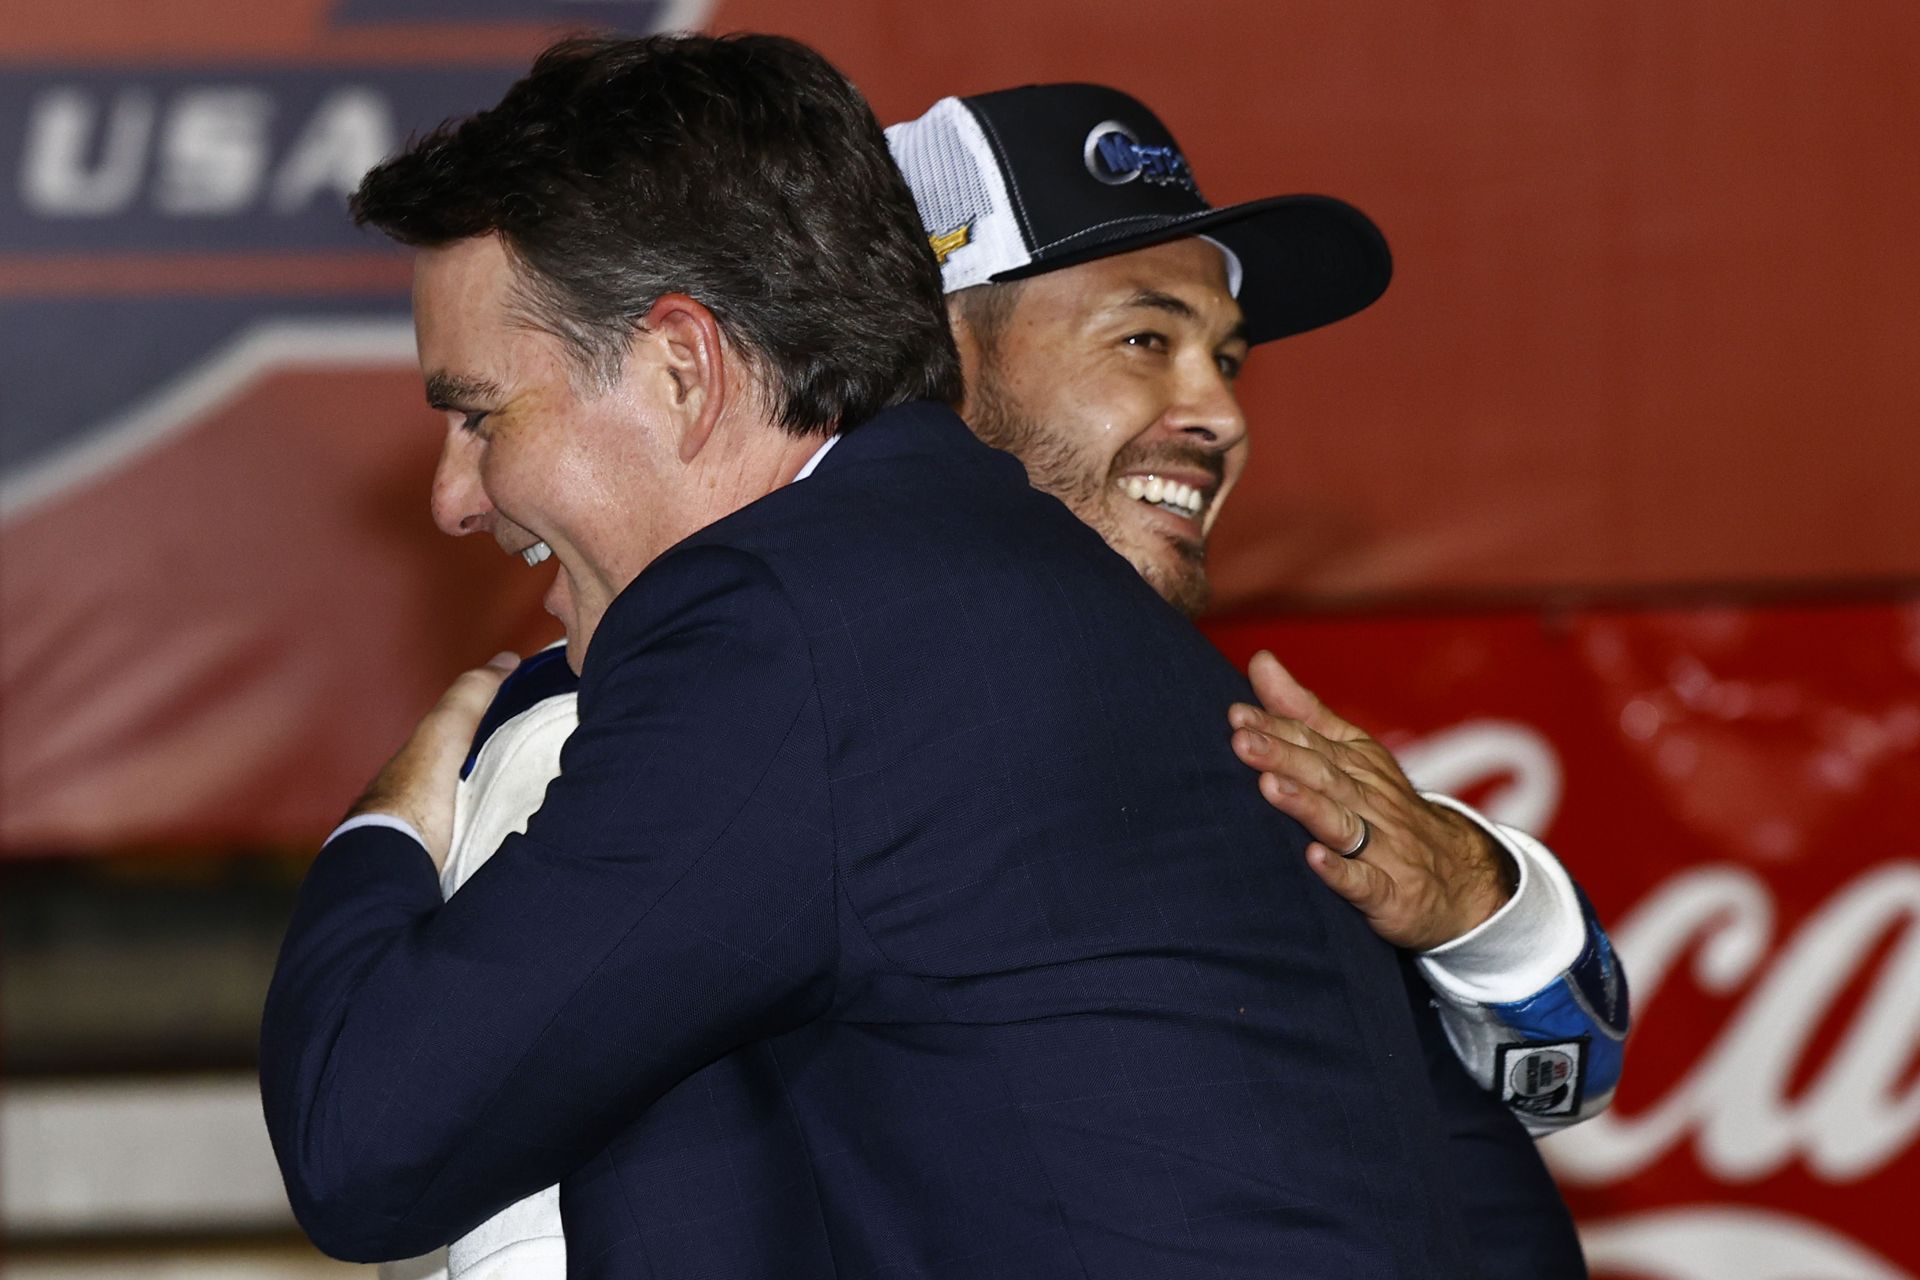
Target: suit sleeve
{"x":1534,"y":1001}
{"x":424,"y":1064}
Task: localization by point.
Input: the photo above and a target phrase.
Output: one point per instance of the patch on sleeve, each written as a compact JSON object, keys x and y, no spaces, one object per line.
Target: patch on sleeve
{"x":1542,"y":1078}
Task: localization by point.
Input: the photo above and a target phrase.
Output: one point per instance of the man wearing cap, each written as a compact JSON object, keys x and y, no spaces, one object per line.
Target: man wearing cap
{"x":1418,"y":849}
{"x":1102,"y":309}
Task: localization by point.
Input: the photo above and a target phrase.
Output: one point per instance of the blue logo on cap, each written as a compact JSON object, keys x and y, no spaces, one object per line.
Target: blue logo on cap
{"x":1115,"y":156}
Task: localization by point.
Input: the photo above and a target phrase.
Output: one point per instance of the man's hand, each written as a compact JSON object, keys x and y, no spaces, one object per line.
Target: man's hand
{"x":1426,"y":876}
{"x":418,"y":784}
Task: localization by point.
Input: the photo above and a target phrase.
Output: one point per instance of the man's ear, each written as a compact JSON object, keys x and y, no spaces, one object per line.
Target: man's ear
{"x":967,"y":342}
{"x":692,"y":356}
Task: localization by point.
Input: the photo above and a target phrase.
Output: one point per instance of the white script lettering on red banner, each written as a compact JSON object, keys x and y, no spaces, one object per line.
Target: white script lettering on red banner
{"x":1766,"y":1094}
{"x":1862,"y":1108}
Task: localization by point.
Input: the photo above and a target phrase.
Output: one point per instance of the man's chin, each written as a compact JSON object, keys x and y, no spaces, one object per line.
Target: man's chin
{"x":563,"y":607}
{"x":1175,"y":566}
{"x":1186,"y":590}
{"x":1179,"y":574}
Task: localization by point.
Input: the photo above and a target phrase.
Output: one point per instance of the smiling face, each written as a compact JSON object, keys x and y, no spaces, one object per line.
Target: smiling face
{"x":531,"y":457}
{"x":1113,"y":382}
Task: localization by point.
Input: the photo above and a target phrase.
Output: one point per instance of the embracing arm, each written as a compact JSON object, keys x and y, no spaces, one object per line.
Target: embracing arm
{"x":1528,"y":989}
{"x":424,"y":1064}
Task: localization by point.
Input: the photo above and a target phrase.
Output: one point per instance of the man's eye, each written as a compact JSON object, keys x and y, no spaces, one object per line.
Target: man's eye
{"x":1150,"y":340}
{"x":1229,"y":366}
{"x":471,"y":422}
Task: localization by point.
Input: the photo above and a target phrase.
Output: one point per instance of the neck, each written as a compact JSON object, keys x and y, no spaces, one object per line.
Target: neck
{"x":753,"y":460}
{"x":770,"y":461}
{"x":804,"y":447}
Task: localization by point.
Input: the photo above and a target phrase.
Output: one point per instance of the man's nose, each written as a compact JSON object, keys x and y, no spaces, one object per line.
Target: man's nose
{"x":1208,"y":411}
{"x":459,"y":501}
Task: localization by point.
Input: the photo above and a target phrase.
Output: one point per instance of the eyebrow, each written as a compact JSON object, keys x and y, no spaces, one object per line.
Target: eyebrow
{"x":1158,"y":301}
{"x":459,"y":391}
{"x":1155,"y":300}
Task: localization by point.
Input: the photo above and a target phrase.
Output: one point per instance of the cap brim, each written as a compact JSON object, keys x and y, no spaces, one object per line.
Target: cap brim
{"x":1306,"y":260}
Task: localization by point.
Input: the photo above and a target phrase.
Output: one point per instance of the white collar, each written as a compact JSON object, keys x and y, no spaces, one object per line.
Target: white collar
{"x":818,"y":454}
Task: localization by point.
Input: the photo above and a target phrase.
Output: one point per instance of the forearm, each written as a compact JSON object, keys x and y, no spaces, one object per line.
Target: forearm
{"x":1535,"y":992}
{"x":366,"y":892}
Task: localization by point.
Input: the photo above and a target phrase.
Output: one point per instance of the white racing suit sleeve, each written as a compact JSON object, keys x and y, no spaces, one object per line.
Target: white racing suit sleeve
{"x":1533,"y":1000}
{"x":506,"y":783}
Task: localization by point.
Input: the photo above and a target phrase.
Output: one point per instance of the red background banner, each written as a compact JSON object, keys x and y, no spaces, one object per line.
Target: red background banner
{"x":1732,"y":804}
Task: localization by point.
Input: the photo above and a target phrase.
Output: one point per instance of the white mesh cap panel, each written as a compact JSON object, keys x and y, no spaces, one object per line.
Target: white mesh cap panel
{"x":962,"y":196}
{"x":1235,"y":273}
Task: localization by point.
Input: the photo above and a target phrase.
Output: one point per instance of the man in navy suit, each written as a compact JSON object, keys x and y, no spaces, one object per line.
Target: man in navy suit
{"x":897,"y":795}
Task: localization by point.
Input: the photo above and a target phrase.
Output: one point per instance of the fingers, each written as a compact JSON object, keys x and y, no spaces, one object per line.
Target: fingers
{"x":1297,"y":753}
{"x":1279,"y":692}
{"x":1355,"y":879}
{"x":418,"y":784}
{"x":1348,"y":748}
{"x":442,"y":739}
{"x":1244,"y":715}
{"x":1301,"y":782}
{"x":1325,"y":819}
{"x":472,"y":692}
{"x":1411,"y":883}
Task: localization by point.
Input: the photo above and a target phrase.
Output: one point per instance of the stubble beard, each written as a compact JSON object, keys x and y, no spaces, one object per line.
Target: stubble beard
{"x":1055,"y":467}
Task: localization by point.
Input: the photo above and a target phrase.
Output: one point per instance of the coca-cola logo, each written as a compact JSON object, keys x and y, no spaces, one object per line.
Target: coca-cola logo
{"x":1758,"y":1099}
{"x":1862,"y":1108}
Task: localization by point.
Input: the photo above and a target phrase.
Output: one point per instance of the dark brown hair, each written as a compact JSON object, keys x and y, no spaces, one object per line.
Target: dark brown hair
{"x":744,"y":171}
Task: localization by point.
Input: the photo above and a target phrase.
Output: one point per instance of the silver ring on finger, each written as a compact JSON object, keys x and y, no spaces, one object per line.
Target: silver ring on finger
{"x":1360,"y":845}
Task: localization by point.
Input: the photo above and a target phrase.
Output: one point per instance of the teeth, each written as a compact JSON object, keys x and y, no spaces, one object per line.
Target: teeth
{"x":1171,"y":494}
{"x":536,"y":553}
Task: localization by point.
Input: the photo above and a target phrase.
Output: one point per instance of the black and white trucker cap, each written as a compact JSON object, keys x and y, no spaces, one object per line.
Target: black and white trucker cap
{"x":1023,"y":181}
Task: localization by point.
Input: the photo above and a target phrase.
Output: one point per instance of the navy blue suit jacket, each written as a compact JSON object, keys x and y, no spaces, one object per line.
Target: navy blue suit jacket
{"x":900,"y":910}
